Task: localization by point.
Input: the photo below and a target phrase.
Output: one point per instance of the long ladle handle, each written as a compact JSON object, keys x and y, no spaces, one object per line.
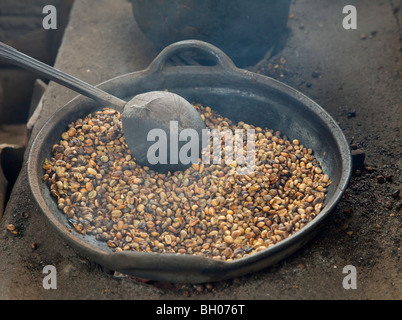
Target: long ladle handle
{"x":13,"y":56}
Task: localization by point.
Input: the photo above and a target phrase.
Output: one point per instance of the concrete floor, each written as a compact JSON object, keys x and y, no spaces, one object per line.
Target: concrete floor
{"x":353,"y":73}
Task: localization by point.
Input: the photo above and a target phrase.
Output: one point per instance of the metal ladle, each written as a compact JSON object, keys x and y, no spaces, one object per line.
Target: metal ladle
{"x":147,"y":111}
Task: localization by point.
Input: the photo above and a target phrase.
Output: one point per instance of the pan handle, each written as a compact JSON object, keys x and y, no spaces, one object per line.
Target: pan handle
{"x":221,"y":60}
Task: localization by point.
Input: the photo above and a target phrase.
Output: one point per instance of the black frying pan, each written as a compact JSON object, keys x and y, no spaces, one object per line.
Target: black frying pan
{"x":234,"y":93}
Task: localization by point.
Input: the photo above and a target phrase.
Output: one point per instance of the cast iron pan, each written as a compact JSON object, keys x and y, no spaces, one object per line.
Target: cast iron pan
{"x":232,"y":92}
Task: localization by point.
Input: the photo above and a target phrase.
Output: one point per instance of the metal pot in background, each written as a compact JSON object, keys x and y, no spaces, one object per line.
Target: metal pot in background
{"x":244,"y":29}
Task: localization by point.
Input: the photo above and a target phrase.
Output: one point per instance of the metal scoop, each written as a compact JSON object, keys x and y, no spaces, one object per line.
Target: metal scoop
{"x":145,"y":112}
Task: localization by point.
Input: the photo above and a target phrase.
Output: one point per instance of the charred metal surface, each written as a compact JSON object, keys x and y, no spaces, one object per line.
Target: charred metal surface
{"x":245,"y":30}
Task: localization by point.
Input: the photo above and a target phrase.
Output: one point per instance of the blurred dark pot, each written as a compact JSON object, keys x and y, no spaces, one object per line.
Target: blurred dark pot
{"x":243,"y":29}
